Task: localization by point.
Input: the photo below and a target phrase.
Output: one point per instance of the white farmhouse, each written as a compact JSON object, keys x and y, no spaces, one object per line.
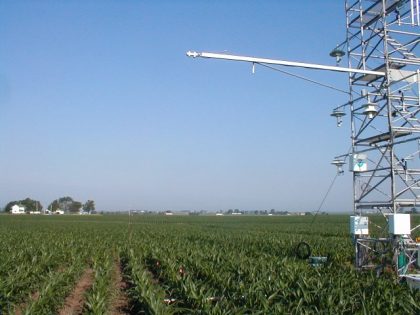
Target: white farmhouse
{"x":16,"y":209}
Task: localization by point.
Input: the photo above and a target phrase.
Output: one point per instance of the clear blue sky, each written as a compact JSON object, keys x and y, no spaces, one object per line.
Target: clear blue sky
{"x":98,"y":101}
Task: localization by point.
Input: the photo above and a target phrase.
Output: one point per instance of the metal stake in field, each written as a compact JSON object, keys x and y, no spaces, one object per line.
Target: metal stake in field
{"x":130,"y":228}
{"x":382,"y":45}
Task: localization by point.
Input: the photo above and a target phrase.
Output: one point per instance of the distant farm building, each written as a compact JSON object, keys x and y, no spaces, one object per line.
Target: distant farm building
{"x":17,"y":209}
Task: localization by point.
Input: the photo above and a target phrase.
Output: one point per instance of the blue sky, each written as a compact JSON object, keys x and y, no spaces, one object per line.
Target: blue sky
{"x":98,"y":101}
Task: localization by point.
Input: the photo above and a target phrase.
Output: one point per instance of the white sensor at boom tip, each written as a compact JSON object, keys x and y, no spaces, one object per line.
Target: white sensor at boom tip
{"x":193,"y":54}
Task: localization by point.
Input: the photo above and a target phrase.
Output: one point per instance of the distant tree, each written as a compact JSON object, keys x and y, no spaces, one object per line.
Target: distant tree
{"x":62,"y":203}
{"x":31,"y":205}
{"x":272,"y":211}
{"x":53,"y":206}
{"x":308,"y":213}
{"x":75,"y":206}
{"x":67,"y":204}
{"x":28,"y":203}
{"x":89,"y":206}
{"x":9,"y":206}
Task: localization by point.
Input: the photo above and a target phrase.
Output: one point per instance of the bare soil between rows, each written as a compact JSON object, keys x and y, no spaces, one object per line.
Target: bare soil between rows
{"x":75,"y":301}
{"x":120,"y":304}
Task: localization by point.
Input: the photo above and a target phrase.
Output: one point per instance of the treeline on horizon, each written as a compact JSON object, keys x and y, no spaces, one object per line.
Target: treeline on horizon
{"x":66,"y":204}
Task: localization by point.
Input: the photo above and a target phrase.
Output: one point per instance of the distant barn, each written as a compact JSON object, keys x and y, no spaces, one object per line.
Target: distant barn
{"x":17,"y":209}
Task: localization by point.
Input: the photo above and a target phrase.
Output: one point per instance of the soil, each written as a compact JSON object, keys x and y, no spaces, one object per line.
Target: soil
{"x":120,"y":303}
{"x":74,"y":302}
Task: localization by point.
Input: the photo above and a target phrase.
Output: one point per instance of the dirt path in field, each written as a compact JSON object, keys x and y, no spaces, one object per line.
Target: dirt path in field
{"x":74,"y":302}
{"x":120,"y":303}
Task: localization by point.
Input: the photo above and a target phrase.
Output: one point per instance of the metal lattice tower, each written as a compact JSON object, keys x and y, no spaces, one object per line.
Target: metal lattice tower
{"x":385,"y":110}
{"x":384,"y":36}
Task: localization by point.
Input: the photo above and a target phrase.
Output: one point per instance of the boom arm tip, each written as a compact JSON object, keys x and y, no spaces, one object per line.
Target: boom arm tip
{"x":193,"y":54}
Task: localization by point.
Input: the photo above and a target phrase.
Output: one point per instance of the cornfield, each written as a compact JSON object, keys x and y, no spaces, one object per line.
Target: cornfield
{"x":188,"y":265}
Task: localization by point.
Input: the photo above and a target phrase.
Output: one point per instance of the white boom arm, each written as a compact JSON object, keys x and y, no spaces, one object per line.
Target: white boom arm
{"x":194,"y":54}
